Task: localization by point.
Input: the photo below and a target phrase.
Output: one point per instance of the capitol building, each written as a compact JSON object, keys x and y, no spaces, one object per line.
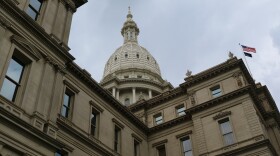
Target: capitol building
{"x":50,"y":106}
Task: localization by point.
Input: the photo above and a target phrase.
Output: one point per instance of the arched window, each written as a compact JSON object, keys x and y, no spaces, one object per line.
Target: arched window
{"x":126,"y":101}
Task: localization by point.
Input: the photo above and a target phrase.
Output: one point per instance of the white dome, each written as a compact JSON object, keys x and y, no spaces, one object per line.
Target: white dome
{"x":131,"y":56}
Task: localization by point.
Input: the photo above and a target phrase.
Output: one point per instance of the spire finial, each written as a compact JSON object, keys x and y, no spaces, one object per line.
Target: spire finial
{"x":129,"y":15}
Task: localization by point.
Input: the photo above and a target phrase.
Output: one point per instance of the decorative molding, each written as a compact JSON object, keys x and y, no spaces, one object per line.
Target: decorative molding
{"x":95,"y":106}
{"x":15,"y":2}
{"x":136,"y":137}
{"x":182,"y":135}
{"x":71,"y":87}
{"x":118,"y":123}
{"x":221,"y":115}
{"x":160,"y":143}
{"x":59,"y":68}
{"x":23,"y":43}
{"x":4,"y":22}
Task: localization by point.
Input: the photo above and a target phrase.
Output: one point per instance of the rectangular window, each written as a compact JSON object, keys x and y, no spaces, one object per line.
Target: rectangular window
{"x":136,"y":148}
{"x":67,"y":99}
{"x":158,"y":119}
{"x":216,"y":91}
{"x":94,"y":121}
{"x":180,"y":110}
{"x":34,"y":8}
{"x":187,"y":146}
{"x":12,"y":79}
{"x":60,"y":153}
{"x":226,"y":131}
{"x":117,"y":140}
{"x":161,"y":150}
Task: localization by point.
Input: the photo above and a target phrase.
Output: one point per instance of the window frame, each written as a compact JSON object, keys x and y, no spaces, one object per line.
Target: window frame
{"x":136,"y":147}
{"x":117,"y":139}
{"x":98,"y":111}
{"x":182,"y":145}
{"x":71,"y":95}
{"x":221,"y":121}
{"x":179,"y":107}
{"x":163,"y":146}
{"x":14,"y":82}
{"x":22,"y":56}
{"x":155,"y":118}
{"x":214,"y":88}
{"x":37,"y":12}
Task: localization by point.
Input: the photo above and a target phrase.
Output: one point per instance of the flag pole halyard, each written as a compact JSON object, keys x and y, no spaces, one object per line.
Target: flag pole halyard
{"x":246,"y":61}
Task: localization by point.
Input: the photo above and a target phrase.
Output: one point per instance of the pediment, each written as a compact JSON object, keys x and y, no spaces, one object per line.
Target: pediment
{"x":23,"y":43}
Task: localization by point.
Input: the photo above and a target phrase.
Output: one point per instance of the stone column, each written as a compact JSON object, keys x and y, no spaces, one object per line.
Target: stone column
{"x":114,"y":92}
{"x":118,"y":94}
{"x":150,"y":94}
{"x":133,"y":95}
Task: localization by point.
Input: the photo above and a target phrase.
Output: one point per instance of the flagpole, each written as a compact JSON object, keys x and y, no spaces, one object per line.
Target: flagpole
{"x":246,"y":61}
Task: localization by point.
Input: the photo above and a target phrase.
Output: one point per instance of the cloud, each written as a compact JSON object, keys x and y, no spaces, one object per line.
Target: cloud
{"x":181,"y":35}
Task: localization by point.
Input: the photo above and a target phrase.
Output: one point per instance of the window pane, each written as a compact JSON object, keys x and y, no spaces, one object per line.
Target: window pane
{"x":64,"y":111}
{"x":31,"y":13}
{"x":57,"y":154}
{"x":225,"y":127}
{"x":66,"y":101}
{"x":14,"y":71}
{"x":187,"y":145}
{"x":8,"y":89}
{"x":181,"y":110}
{"x":161,"y":151}
{"x":229,"y":139}
{"x":36,"y":4}
{"x":188,"y":153}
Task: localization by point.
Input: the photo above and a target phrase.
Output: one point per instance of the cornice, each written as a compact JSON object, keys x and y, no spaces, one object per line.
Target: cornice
{"x":275,"y":113}
{"x":33,"y":28}
{"x":217,"y":70}
{"x":95,"y":87}
{"x":26,"y":127}
{"x":157,"y":100}
{"x":169,"y":124}
{"x":136,"y":80}
{"x":251,"y":147}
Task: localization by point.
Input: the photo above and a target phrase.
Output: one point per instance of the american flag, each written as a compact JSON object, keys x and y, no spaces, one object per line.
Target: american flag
{"x":248,"y":49}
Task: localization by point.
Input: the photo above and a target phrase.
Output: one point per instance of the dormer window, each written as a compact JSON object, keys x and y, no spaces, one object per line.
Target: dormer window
{"x":34,"y":8}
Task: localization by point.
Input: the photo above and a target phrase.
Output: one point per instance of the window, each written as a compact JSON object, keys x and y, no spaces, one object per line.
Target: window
{"x":136,"y":148}
{"x":226,"y":131}
{"x":60,"y":153}
{"x":126,"y":76}
{"x":187,"y":146}
{"x":67,"y":100}
{"x":216,"y":91}
{"x":137,"y":55}
{"x":139,"y":76}
{"x":180,"y":110}
{"x":126,"y":101}
{"x":34,"y":8}
{"x":161,"y":150}
{"x":158,"y":119}
{"x":117,"y":139}
{"x":12,"y":79}
{"x":94,"y":121}
{"x":126,"y":55}
{"x":57,"y":153}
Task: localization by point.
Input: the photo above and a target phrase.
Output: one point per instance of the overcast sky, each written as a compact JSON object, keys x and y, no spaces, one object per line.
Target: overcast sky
{"x":182,"y":35}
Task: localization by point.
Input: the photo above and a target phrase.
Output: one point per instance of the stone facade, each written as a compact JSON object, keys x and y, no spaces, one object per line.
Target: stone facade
{"x":49,"y":106}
